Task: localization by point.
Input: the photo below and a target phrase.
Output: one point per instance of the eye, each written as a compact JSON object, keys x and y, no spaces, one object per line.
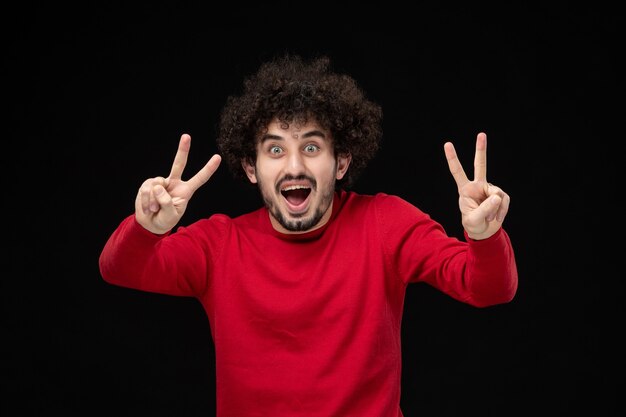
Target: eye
{"x":311,"y":148}
{"x":275,"y":150}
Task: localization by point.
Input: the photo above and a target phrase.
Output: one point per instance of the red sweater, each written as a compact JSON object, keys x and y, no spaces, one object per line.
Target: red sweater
{"x":308,"y":325}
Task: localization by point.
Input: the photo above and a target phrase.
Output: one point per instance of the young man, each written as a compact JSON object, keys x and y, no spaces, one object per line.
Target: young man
{"x":305,"y":295}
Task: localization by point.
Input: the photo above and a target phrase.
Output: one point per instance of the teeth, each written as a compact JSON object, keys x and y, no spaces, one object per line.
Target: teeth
{"x":295,"y":187}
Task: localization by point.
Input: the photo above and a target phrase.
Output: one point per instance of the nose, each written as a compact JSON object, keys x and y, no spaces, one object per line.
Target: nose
{"x":295,"y":164}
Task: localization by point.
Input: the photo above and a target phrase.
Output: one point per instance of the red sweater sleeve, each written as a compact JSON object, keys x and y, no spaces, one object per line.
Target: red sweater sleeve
{"x":174,"y":263}
{"x":490,"y":270}
{"x":126,"y":252}
{"x":480,"y":273}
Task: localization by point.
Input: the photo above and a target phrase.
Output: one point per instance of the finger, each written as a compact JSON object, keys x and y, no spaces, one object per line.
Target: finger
{"x":491,"y":189}
{"x":180,"y":160}
{"x":163,"y":200}
{"x":456,"y":169}
{"x":480,"y":158}
{"x":504,"y":208}
{"x":205,"y":173}
{"x":490,"y":207}
{"x":144,"y":199}
{"x":153,"y":203}
{"x":144,"y":195}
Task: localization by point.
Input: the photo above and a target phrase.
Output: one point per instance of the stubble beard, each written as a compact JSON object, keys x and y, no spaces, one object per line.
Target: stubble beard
{"x":299,"y":223}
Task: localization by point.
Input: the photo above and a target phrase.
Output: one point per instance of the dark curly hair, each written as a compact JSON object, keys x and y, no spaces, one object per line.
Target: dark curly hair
{"x":294,"y":91}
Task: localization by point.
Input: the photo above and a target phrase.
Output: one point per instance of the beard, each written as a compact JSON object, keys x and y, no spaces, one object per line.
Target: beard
{"x":298,"y":222}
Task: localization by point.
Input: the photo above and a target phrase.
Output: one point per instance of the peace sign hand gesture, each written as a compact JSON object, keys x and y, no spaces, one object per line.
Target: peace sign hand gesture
{"x":161,"y":202}
{"x":483,"y":205}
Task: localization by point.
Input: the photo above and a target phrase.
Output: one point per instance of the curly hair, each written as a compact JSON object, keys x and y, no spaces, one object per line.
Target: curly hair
{"x":293,"y":90}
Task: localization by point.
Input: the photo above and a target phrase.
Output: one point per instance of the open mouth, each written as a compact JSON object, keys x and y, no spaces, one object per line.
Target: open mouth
{"x":296,"y":196}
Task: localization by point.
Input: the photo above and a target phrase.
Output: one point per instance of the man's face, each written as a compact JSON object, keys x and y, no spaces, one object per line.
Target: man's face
{"x":296,"y":171}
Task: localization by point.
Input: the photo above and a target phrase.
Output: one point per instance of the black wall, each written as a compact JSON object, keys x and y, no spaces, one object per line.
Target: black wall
{"x":98,"y":96}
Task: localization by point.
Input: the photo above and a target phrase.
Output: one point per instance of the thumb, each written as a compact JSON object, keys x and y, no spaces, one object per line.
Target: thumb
{"x":490,"y":207}
{"x":163,"y":200}
{"x":158,"y":190}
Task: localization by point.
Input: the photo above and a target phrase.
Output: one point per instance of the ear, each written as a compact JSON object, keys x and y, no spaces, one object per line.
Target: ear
{"x":343,"y":162}
{"x":250,"y":170}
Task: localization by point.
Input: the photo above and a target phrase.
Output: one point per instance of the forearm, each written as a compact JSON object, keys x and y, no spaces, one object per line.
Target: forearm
{"x":127,"y":254}
{"x":491,"y":271}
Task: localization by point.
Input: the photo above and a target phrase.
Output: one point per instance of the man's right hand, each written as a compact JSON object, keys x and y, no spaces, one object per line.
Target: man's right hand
{"x":161,"y":202}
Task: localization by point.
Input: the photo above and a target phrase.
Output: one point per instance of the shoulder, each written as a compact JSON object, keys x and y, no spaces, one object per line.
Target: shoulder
{"x":381,"y":202}
{"x":225,"y":221}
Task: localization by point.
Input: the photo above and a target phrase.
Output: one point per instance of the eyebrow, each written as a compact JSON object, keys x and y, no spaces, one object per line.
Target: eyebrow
{"x":310,"y":134}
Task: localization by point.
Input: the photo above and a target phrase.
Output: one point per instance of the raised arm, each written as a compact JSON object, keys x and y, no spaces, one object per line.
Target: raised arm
{"x":161,"y":202}
{"x":483,"y":205}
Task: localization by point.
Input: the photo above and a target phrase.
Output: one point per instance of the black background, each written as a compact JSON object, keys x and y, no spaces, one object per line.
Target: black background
{"x":98,"y":95}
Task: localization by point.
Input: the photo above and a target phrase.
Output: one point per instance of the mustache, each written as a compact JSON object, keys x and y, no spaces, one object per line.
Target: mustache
{"x":296,"y":178}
